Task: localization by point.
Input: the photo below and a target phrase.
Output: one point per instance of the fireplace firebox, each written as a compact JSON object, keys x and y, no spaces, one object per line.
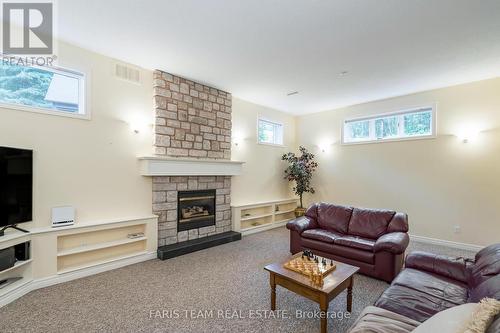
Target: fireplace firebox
{"x":195,"y":209}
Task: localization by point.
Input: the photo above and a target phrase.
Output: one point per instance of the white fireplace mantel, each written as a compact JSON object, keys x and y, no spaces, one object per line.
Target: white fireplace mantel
{"x":169,"y":166}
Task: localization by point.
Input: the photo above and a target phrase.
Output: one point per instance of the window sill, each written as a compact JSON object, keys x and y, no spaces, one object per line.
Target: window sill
{"x":45,"y":111}
{"x":272,"y":144}
{"x":426,"y":137}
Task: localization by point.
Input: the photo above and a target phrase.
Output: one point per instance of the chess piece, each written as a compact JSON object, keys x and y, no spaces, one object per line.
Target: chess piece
{"x":331,"y":262}
{"x":309,"y":254}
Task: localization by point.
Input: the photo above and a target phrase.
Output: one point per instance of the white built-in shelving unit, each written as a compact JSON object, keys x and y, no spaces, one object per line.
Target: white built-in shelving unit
{"x":69,"y":252}
{"x":21,"y":269}
{"x":254,"y":217}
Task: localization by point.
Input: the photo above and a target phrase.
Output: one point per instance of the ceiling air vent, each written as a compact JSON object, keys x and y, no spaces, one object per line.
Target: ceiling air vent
{"x":127,"y":73}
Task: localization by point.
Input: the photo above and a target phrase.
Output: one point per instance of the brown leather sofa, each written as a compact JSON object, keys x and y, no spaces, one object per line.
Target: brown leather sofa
{"x":374,"y":240}
{"x":432,"y":283}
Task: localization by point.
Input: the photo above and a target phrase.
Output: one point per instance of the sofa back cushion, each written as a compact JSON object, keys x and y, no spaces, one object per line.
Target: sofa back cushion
{"x":312,"y":212}
{"x":399,"y":223}
{"x":486,"y":265}
{"x":489,"y":288}
{"x":334,"y":217}
{"x":369,"y":223}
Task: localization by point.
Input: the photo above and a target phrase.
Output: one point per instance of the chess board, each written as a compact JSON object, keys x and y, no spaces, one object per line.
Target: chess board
{"x":307,"y":266}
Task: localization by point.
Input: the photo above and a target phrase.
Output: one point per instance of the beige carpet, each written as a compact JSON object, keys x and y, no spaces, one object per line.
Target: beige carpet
{"x":228,"y":278}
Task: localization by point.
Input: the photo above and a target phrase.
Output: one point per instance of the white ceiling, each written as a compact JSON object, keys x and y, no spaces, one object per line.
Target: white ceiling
{"x":260,"y":50}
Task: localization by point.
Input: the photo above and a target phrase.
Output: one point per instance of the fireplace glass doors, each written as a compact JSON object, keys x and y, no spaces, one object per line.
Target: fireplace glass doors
{"x":195,"y":209}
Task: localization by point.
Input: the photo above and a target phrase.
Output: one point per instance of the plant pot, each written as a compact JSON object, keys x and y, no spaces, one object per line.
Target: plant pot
{"x":299,"y":212}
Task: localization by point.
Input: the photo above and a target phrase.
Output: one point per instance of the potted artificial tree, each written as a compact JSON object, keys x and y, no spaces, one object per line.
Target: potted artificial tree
{"x":300,"y":170}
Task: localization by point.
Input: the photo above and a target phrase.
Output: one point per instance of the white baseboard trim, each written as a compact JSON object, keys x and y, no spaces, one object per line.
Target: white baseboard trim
{"x":60,"y":278}
{"x":442,"y":242}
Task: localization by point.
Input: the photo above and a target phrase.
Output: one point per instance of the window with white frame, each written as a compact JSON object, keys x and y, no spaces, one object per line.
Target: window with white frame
{"x":270,"y":132}
{"x":42,"y":89}
{"x":414,"y":123}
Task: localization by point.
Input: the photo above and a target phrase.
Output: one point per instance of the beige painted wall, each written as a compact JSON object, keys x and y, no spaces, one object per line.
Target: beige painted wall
{"x":90,"y":164}
{"x":439,"y":182}
{"x":262,"y":177}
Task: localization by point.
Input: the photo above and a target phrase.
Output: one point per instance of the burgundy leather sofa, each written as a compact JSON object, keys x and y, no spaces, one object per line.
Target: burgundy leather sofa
{"x":432,"y":283}
{"x":374,"y":240}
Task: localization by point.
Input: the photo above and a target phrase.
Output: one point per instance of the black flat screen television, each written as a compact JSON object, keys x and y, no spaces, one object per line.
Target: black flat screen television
{"x":16,"y":186}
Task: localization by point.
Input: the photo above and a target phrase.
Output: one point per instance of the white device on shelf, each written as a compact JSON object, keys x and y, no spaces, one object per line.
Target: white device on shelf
{"x":64,"y":215}
{"x":135,"y":235}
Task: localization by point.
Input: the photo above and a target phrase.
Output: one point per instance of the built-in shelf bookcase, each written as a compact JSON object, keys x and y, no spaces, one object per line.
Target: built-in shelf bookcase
{"x":21,"y":270}
{"x":254,"y":217}
{"x":86,"y":249}
{"x":69,"y":252}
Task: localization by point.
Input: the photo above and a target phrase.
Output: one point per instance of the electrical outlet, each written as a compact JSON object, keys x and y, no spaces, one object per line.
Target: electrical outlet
{"x":457,"y":229}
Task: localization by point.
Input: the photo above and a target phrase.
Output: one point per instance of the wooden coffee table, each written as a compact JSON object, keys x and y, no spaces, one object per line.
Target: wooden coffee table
{"x":334,"y":283}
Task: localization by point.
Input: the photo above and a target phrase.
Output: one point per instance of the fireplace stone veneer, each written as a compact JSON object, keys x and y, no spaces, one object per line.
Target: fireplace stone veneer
{"x":165,"y":205}
{"x":192,"y":121}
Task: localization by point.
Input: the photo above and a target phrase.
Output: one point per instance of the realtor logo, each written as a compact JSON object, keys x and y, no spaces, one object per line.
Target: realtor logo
{"x":27,"y":28}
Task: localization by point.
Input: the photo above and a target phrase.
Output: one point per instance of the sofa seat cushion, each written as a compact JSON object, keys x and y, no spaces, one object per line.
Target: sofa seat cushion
{"x":356,"y":242}
{"x":438,"y":286}
{"x":412,"y":303}
{"x":369,"y":223}
{"x":334,"y":217}
{"x":321,"y":235}
{"x":378,"y":320}
{"x":338,"y":250}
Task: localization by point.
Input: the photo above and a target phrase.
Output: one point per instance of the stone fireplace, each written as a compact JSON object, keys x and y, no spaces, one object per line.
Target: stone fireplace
{"x":192,"y":169}
{"x":167,"y":205}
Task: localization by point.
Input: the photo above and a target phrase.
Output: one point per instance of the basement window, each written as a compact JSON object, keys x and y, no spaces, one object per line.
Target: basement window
{"x":270,"y":133}
{"x":42,"y":89}
{"x":402,"y":125}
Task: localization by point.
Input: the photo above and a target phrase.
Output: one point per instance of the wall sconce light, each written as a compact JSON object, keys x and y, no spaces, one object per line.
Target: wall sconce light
{"x":138,"y":125}
{"x":468,"y":134}
{"x":237,"y":140}
{"x":134,"y":128}
{"x":324,"y":146}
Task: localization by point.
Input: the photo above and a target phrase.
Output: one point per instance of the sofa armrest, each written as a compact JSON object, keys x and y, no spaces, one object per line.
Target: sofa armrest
{"x":301,"y":224}
{"x":449,"y":267}
{"x":394,"y":242}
